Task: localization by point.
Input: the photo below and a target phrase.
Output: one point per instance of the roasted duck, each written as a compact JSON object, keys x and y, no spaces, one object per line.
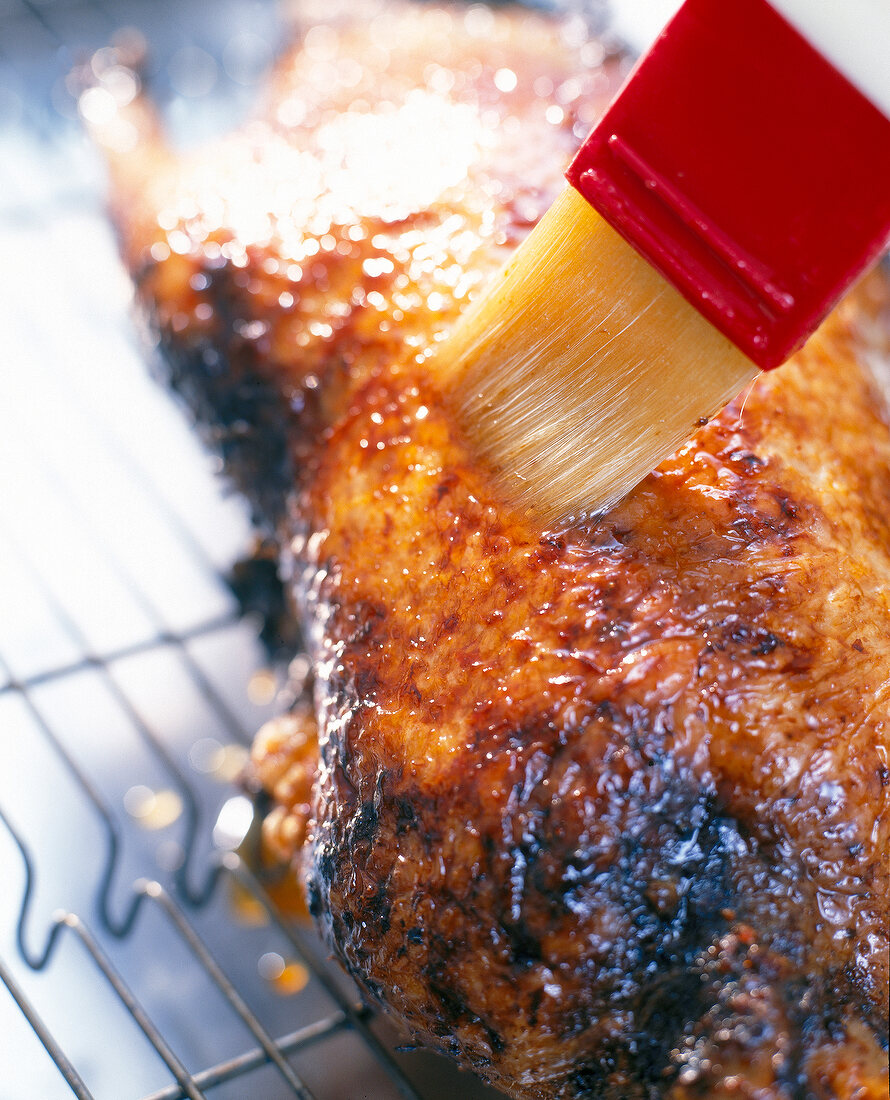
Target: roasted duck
{"x":600,"y":811}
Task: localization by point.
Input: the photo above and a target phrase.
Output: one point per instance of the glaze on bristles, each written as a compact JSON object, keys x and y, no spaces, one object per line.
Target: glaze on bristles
{"x":582,"y":368}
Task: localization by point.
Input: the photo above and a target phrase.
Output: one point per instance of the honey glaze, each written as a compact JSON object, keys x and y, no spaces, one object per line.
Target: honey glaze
{"x":601,"y":810}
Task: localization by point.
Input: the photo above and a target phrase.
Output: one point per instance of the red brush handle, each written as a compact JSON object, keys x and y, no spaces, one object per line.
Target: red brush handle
{"x":747,"y":170}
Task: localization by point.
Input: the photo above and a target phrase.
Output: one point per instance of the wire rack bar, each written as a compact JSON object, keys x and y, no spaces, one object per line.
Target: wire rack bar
{"x":154,"y":741}
{"x":90,"y":662}
{"x":176,"y":640}
{"x":156,"y":892}
{"x":254,"y":1059}
{"x":45,"y":1036}
{"x":39,"y":17}
{"x":118,"y":927}
{"x":146,"y":891}
{"x":359,"y":1020}
{"x":132,"y":1004}
{"x":189,"y":1086}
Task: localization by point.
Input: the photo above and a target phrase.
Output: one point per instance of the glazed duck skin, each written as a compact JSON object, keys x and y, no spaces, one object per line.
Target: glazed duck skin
{"x":599,"y":811}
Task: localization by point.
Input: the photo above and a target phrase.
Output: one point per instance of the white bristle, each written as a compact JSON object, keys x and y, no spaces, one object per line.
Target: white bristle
{"x":582,"y":368}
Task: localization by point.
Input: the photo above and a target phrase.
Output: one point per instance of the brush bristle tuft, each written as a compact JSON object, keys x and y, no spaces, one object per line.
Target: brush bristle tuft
{"x":582,"y":368}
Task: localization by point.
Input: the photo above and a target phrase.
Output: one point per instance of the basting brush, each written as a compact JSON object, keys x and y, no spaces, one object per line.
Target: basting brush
{"x":736,"y":187}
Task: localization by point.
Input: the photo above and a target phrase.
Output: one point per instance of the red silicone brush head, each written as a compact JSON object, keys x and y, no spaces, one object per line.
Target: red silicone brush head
{"x":747,"y":170}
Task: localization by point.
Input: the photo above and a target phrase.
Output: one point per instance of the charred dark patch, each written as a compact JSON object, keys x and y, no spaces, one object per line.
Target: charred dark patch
{"x":405,"y":815}
{"x":445,"y":486}
{"x":755,"y":1007}
{"x":753,"y":639}
{"x":525,"y":947}
{"x":534,"y":1003}
{"x":259,"y":591}
{"x":734,"y":1001}
{"x":670,"y":872}
{"x":314,"y":897}
{"x":326,"y":863}
{"x":497,"y":731}
{"x":747,"y":459}
{"x":362,"y":828}
{"x":610,"y":1075}
{"x":766,"y":645}
{"x":553,"y":544}
{"x":241,"y":414}
{"x":787,"y":506}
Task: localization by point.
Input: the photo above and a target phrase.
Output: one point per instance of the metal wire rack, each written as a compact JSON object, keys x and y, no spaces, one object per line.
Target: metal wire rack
{"x":136,"y":944}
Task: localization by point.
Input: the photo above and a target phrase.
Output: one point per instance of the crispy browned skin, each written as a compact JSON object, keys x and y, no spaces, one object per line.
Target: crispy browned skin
{"x":603,"y":811}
